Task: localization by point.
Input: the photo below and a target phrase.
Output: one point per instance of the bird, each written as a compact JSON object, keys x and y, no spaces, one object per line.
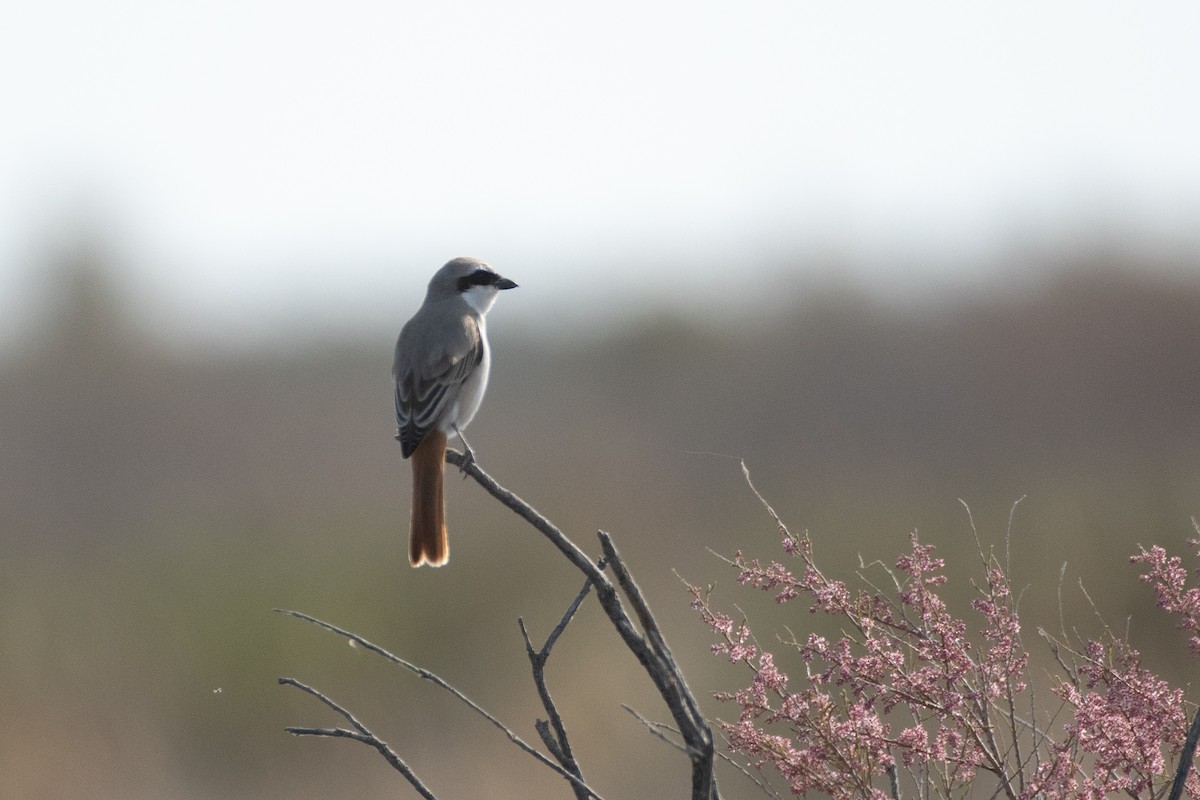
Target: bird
{"x":441,"y":371}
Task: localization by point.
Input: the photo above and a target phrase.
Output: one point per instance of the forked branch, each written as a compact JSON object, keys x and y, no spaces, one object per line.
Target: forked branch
{"x":650,"y":649}
{"x":429,"y":676}
{"x":552,"y":730}
{"x":359,"y":734}
{"x":648,"y":645}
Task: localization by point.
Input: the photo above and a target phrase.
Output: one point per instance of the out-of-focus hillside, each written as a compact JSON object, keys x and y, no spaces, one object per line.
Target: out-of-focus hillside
{"x":155,"y":505}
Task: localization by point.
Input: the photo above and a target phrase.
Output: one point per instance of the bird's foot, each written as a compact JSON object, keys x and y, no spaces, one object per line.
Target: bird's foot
{"x":468,"y":457}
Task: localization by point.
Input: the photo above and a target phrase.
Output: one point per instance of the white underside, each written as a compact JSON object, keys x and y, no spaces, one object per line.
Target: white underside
{"x":470,"y":395}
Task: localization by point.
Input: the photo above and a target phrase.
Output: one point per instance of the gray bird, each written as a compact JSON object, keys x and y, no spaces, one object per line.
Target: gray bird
{"x":441,"y":371}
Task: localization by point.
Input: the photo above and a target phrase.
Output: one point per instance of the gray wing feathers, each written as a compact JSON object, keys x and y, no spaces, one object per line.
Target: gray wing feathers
{"x":430,"y":368}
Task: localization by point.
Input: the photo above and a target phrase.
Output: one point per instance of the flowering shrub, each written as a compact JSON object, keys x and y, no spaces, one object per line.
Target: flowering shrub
{"x":912,"y":693}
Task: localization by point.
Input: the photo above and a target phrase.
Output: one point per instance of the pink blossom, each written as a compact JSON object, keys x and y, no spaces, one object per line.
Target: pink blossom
{"x":1170,"y":584}
{"x":960,"y":689}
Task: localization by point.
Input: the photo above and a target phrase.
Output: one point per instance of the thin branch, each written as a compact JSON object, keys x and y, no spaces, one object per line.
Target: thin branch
{"x":662,"y":669}
{"x":1062,"y":621}
{"x":654,"y":656}
{"x":566,"y":619}
{"x":1185,"y":758}
{"x":434,"y":678}
{"x":746,"y":471}
{"x":649,"y":624}
{"x":762,"y":782}
{"x":650,"y":650}
{"x":557,"y":742}
{"x":547,"y":736}
{"x":529,"y":514}
{"x":1012,"y":513}
{"x":893,"y":781}
{"x":359,"y":734}
{"x":656,"y":729}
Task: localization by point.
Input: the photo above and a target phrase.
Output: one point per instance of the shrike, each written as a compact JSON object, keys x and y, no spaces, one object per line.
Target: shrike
{"x":441,"y":371}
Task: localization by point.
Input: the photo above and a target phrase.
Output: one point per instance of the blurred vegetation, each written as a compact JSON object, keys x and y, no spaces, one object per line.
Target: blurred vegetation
{"x":157,"y":504}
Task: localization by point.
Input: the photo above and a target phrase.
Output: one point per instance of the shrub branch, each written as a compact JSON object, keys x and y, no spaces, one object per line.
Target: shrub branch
{"x":622,"y":602}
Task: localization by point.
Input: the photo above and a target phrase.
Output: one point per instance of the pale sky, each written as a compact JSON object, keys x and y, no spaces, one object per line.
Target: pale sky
{"x":254,"y":163}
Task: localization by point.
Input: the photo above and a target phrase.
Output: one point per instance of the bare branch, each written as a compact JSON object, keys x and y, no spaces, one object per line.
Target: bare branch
{"x":655,"y":657}
{"x":661,"y":667}
{"x":359,"y":734}
{"x":527,"y":513}
{"x":656,"y":729}
{"x":782,"y":527}
{"x":650,"y":649}
{"x":434,"y":678}
{"x":660,"y":648}
{"x":1185,"y":758}
{"x":547,"y":736}
{"x":556,"y":742}
{"x":562,"y":625}
{"x":893,"y":781}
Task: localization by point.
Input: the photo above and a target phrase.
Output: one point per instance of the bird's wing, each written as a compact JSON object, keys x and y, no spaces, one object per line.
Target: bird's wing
{"x":427,"y":383}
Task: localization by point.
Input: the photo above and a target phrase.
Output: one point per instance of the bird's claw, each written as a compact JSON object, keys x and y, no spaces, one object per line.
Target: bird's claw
{"x":468,"y":455}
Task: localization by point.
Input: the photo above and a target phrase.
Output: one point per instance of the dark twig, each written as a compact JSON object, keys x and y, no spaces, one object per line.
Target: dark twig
{"x":434,"y":678}
{"x":660,"y":666}
{"x":1185,"y":758}
{"x":656,"y":729}
{"x":556,"y":742}
{"x":359,"y":734}
{"x":654,"y":655}
{"x":689,"y":728}
{"x":893,"y":781}
{"x":650,"y":650}
{"x":527,"y":513}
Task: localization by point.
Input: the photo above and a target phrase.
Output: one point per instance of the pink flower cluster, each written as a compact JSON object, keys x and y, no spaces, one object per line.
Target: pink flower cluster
{"x":1170,"y":584}
{"x":908,"y":687}
{"x":1124,"y":716}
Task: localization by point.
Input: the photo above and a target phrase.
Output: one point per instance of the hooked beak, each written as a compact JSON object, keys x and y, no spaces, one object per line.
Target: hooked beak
{"x":505,"y":283}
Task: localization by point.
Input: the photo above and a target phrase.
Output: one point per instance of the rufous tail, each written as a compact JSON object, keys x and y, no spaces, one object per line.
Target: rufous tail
{"x":427,"y":543}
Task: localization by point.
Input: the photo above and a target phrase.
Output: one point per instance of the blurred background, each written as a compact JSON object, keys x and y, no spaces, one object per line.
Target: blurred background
{"x":894,"y":256}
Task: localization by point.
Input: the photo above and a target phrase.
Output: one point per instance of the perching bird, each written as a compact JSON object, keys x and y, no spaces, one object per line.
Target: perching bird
{"x":441,"y":371}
